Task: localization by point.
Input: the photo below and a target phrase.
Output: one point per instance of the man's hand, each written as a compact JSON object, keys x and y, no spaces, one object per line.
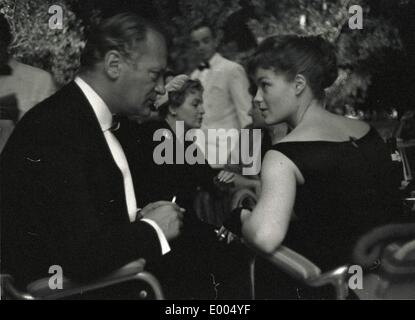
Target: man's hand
{"x":167,"y":215}
{"x":175,"y":84}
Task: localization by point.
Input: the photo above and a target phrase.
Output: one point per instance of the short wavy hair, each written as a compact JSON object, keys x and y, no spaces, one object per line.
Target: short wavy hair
{"x":177,"y":97}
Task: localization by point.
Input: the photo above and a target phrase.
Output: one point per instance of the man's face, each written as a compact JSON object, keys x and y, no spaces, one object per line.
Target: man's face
{"x":204,"y":43}
{"x":142,"y":77}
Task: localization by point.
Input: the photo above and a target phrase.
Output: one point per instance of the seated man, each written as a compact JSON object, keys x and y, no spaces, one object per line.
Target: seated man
{"x":70,"y":183}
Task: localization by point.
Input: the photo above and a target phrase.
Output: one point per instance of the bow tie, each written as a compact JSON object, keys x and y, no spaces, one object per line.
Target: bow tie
{"x":5,"y":70}
{"x":204,"y":65}
{"x":116,"y":122}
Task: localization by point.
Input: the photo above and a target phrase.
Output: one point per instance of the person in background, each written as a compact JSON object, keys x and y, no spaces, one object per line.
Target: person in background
{"x":181,"y":106}
{"x":197,"y":255}
{"x":226,"y":93}
{"x":21,"y":86}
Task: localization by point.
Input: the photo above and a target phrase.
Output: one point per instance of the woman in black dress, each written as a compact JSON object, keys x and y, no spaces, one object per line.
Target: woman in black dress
{"x":331,"y":179}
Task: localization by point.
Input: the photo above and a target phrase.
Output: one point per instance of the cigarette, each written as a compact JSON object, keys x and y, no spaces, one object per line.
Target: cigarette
{"x":173,"y":200}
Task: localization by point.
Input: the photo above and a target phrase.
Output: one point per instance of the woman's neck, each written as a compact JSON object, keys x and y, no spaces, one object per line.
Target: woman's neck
{"x":305,"y":112}
{"x":171,"y":122}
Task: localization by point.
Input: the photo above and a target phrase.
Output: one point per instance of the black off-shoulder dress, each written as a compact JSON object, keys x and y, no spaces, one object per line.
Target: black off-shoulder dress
{"x":350,"y":187}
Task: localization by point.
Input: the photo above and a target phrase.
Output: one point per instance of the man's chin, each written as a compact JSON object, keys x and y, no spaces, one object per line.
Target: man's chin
{"x":144,"y":110}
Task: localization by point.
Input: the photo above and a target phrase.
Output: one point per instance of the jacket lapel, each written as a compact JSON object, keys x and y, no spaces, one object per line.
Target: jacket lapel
{"x":105,"y":181}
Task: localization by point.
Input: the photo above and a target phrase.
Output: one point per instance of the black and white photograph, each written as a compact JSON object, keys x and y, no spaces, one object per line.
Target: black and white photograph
{"x":226,"y":152}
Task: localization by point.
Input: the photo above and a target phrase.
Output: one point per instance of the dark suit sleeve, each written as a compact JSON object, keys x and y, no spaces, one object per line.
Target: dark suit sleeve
{"x":49,"y":216}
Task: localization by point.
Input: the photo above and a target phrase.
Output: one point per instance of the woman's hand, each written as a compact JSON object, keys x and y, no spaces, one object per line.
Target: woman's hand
{"x":244,"y":182}
{"x":225,"y":177}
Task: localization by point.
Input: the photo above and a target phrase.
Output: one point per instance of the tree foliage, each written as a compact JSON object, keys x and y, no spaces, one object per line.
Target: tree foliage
{"x":360,"y":52}
{"x":35,"y":43}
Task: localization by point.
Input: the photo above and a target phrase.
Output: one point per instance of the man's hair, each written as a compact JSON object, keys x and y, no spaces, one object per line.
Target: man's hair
{"x":178,"y":97}
{"x":5,"y":32}
{"x":202,"y":24}
{"x":121,"y":32}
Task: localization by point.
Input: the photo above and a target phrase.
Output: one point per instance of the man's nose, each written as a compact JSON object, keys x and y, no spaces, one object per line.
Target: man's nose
{"x":160,"y":88}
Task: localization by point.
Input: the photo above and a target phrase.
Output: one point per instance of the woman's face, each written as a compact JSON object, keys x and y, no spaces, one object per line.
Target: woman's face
{"x":275,"y":96}
{"x":256,"y":115}
{"x":191,"y":111}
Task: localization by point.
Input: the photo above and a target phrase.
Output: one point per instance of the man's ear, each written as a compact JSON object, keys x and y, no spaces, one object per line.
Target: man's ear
{"x":300,"y":82}
{"x":112,"y":64}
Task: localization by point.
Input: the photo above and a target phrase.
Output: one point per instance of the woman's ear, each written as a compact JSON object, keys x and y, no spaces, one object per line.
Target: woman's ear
{"x":300,"y":82}
{"x":112,"y":64}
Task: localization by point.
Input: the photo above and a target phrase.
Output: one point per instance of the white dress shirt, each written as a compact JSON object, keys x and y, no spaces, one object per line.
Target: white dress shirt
{"x":226,"y":101}
{"x":105,"y":118}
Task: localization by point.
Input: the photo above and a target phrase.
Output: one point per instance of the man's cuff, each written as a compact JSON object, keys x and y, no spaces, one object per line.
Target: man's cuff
{"x":165,"y":247}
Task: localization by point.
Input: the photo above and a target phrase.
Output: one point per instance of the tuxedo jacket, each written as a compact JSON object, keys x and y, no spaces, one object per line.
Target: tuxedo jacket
{"x":62,"y":195}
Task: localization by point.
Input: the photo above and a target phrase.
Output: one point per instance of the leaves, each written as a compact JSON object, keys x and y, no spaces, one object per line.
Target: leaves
{"x":54,"y":50}
{"x":360,"y":52}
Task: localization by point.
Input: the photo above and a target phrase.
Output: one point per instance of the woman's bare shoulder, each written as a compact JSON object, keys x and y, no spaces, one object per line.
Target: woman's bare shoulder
{"x":334,"y":129}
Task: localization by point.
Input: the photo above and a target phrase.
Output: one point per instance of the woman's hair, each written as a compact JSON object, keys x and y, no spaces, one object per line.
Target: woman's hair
{"x":177,"y":97}
{"x":313,"y":57}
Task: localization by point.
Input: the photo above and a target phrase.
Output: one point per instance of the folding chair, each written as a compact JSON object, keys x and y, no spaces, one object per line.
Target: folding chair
{"x":41,"y":290}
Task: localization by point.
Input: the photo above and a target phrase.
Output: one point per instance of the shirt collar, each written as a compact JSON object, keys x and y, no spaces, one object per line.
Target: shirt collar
{"x":214,"y":59}
{"x":101,"y":110}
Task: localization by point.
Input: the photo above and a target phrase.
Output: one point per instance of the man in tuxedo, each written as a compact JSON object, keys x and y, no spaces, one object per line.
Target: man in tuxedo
{"x":70,"y":187}
{"x":226,"y":98}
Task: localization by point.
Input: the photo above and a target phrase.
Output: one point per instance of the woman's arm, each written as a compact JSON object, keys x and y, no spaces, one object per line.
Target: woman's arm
{"x":266,"y":226}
